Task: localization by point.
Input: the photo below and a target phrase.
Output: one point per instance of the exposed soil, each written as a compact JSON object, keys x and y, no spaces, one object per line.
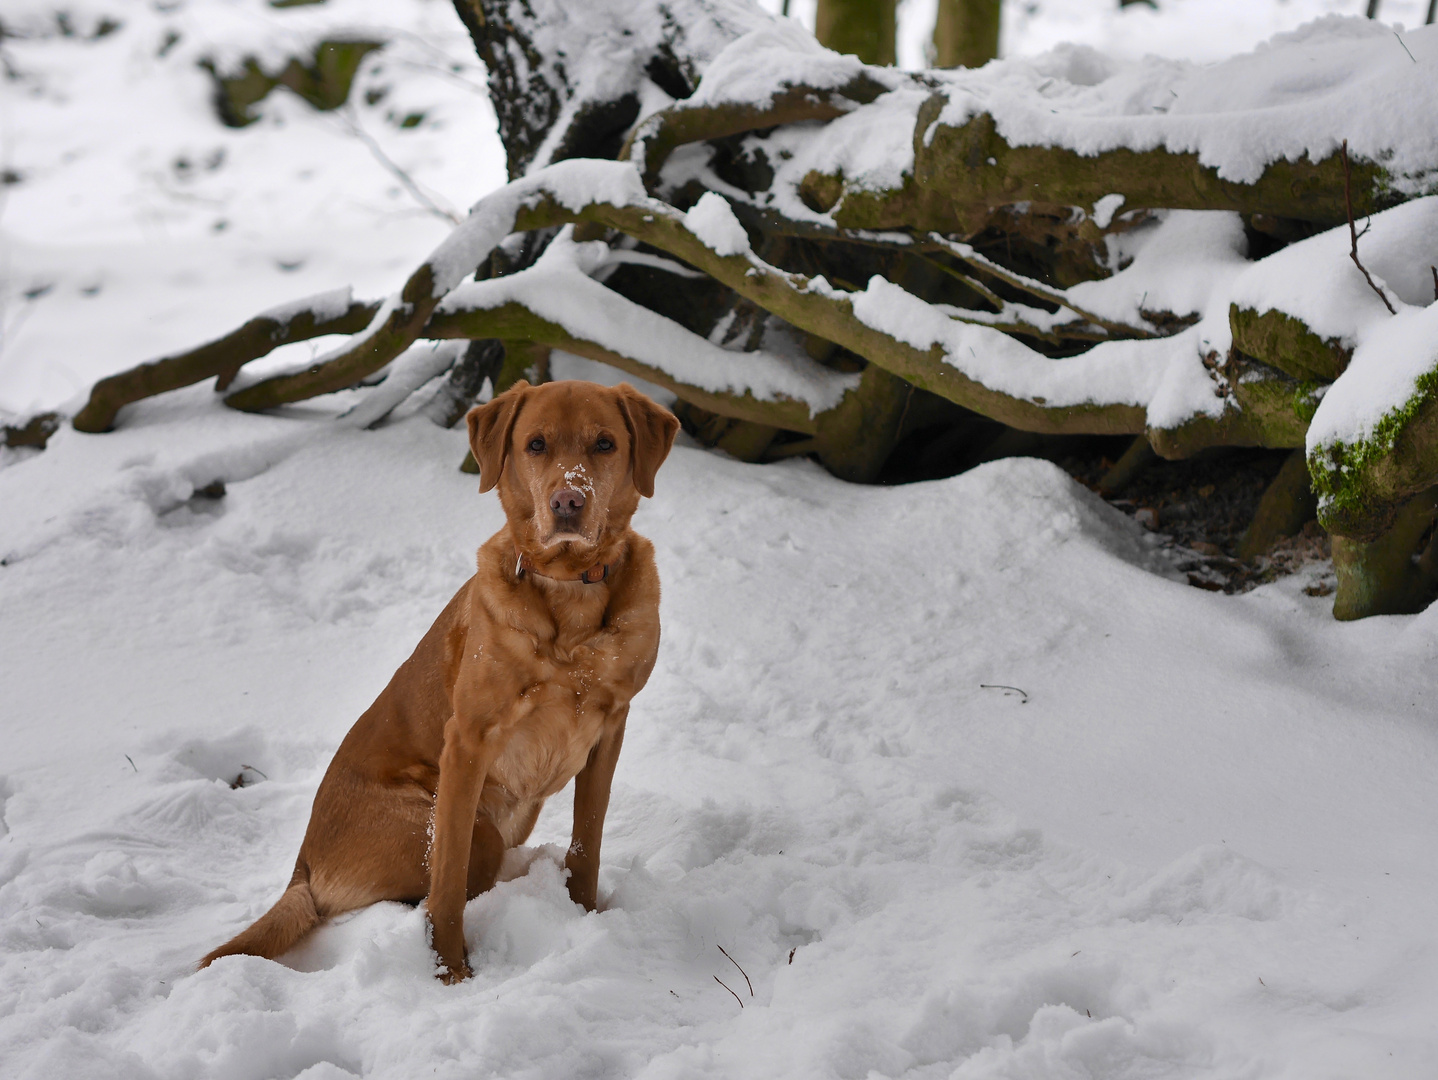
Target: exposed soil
{"x":1201,"y":507}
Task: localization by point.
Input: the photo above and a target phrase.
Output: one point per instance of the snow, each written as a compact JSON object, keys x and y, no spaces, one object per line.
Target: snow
{"x":412,"y":369}
{"x":1125,"y":372}
{"x":1089,"y":880}
{"x":1316,"y":282}
{"x":714,"y":223}
{"x":1285,"y":99}
{"x":1195,"y":840}
{"x":1182,"y":262}
{"x":1105,"y":208}
{"x":1392,"y":355}
{"x":324,"y":306}
{"x":140,"y":222}
{"x":779,"y":54}
{"x":872,"y":147}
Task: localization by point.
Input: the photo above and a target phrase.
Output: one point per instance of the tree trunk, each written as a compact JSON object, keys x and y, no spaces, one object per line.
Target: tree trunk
{"x":966,"y":33}
{"x":864,"y":28}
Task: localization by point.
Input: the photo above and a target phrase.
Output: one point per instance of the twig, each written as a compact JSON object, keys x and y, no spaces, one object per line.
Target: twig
{"x":1353,"y":231}
{"x":1405,"y":47}
{"x":353,"y":127}
{"x":1435,"y":268}
{"x":736,"y":964}
{"x":252,"y":769}
{"x":736,"y":996}
{"x":132,"y":763}
{"x":998,"y":686}
{"x":967,"y":254}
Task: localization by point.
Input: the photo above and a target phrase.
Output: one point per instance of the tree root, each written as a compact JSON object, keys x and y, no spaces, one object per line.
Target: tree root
{"x":34,"y":432}
{"x":658,"y":136}
{"x":220,"y":359}
{"x":515,"y":323}
{"x":1286,"y":343}
{"x":978,"y":170}
{"x":1138,"y":457}
{"x":1382,"y":576}
{"x":810,"y":304}
{"x":1288,"y":503}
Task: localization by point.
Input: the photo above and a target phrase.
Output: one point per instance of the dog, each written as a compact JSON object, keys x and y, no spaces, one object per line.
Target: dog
{"x":522,"y":684}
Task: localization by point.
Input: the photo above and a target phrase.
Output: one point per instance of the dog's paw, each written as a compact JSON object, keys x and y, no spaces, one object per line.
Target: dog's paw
{"x":449,"y":974}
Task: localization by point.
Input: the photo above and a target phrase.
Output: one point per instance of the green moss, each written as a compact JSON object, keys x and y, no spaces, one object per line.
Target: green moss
{"x":1361,"y":485}
{"x":1306,"y":396}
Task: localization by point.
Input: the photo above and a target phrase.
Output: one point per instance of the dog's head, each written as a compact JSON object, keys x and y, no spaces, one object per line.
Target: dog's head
{"x":571,"y":460}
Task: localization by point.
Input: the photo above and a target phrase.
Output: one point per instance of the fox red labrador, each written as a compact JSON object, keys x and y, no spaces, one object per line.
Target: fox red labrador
{"x":522,"y":684}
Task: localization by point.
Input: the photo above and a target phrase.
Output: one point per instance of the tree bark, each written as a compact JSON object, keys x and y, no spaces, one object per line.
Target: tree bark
{"x":864,"y":28}
{"x":1383,"y":576}
{"x":966,"y":33}
{"x":1288,"y":503}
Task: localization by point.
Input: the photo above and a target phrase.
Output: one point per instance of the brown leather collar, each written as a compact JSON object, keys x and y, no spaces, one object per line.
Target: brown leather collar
{"x":593,"y":576}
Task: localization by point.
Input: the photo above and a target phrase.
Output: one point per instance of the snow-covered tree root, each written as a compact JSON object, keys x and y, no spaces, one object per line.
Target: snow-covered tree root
{"x":978,"y":170}
{"x":660,"y":135}
{"x":1387,"y":575}
{"x":1377,"y":499}
{"x":328,"y":313}
{"x":891,"y":328}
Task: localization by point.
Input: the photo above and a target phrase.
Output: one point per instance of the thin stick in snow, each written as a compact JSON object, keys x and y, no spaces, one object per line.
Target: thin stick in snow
{"x":999,"y":686}
{"x":352,"y":125}
{"x":736,"y":964}
{"x":722,"y":983}
{"x":1353,"y":230}
{"x":1435,"y":268}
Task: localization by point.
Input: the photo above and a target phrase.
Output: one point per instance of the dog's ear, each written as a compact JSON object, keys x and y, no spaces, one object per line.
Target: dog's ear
{"x":651,"y":434}
{"x":490,"y":427}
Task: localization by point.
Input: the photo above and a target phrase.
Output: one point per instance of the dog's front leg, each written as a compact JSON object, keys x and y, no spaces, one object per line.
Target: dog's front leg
{"x":463,"y":764}
{"x":591,"y":803}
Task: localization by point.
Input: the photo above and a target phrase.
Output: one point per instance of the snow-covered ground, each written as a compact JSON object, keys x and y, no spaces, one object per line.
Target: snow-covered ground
{"x":1200,"y":842}
{"x":962,"y":776}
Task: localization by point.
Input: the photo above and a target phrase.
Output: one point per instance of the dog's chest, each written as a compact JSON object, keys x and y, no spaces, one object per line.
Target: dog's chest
{"x":552,"y":743}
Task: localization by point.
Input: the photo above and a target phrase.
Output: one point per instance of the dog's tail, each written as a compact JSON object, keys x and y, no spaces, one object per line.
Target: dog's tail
{"x":276,"y":931}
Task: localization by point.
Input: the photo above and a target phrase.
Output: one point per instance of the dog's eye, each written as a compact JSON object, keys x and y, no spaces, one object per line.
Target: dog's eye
{"x":536,"y":445}
{"x":603,"y":446}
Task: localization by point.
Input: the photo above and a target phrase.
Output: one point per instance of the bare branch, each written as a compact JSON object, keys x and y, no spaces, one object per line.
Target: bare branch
{"x":351,"y":124}
{"x":1353,"y":231}
{"x":1033,"y":288}
{"x":722,"y":983}
{"x":736,"y":964}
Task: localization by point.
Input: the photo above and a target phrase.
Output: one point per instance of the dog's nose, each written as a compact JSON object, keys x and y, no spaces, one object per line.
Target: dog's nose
{"x":566,"y":502}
